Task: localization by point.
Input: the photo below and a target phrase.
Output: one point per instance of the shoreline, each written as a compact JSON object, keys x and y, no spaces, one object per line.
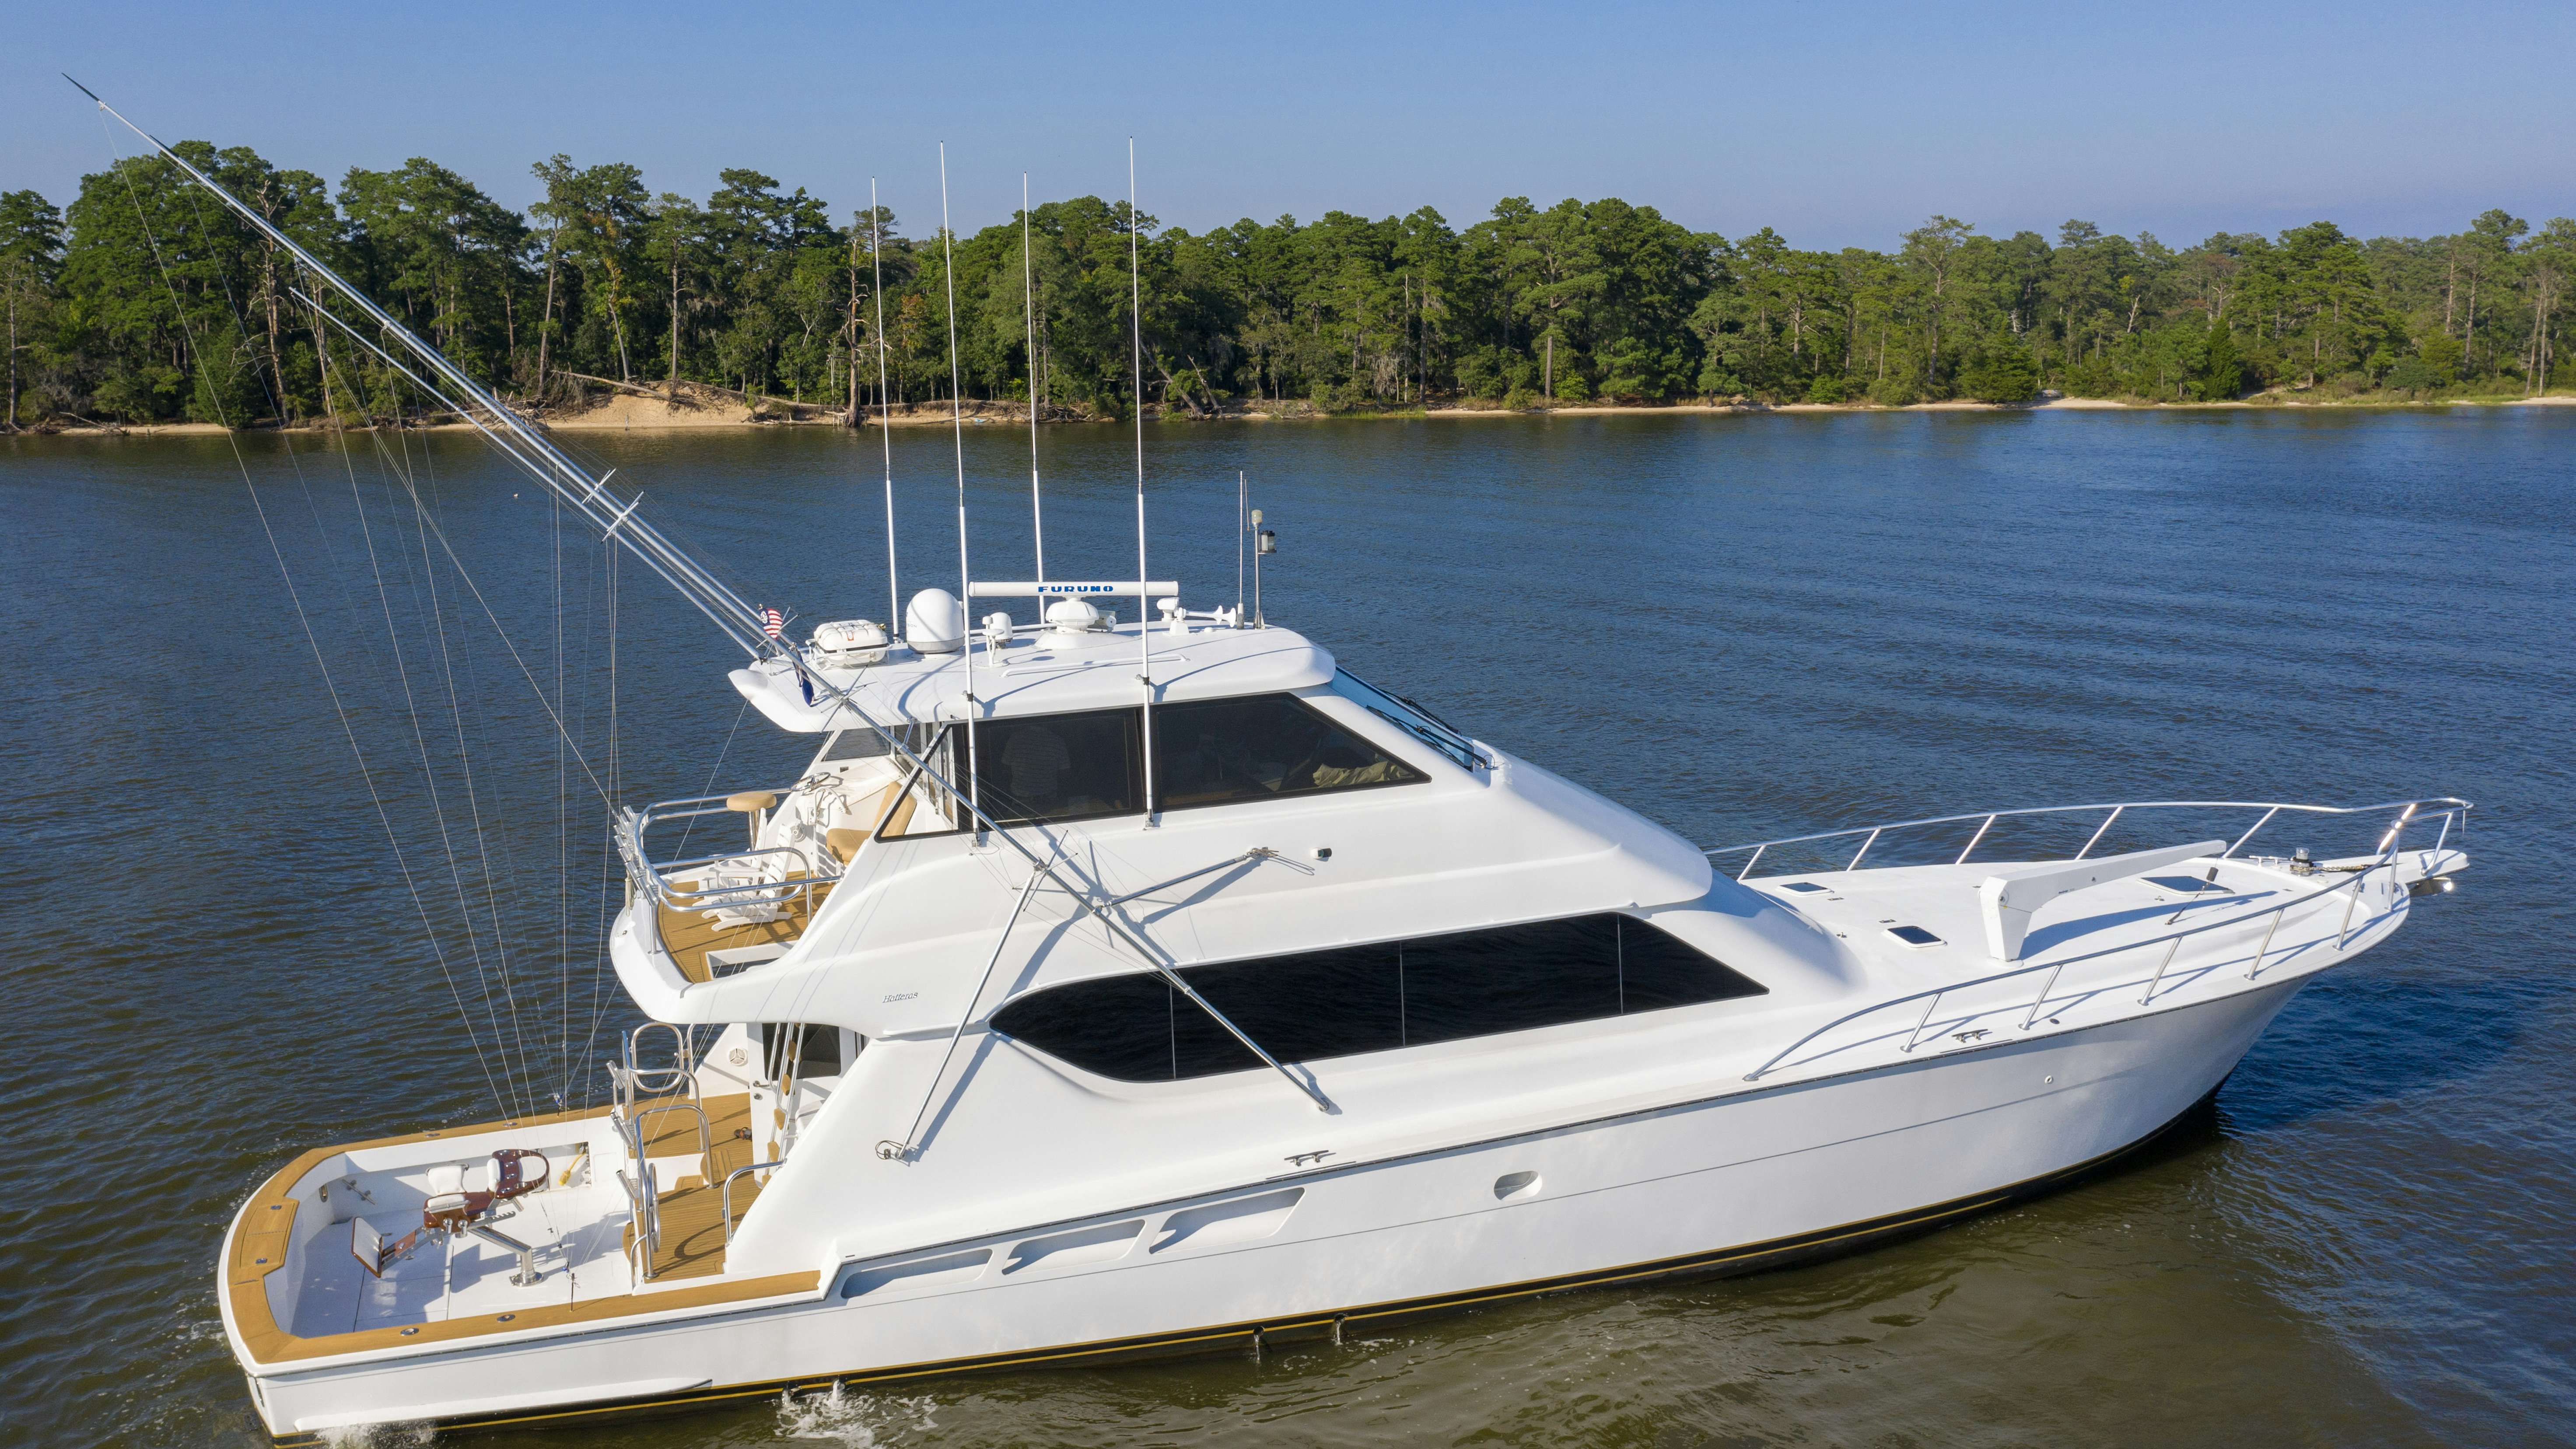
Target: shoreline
{"x":636,"y":414}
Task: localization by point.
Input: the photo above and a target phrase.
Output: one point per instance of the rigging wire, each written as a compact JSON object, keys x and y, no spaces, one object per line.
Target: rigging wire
{"x":563,"y":814}
{"x":421,"y":490}
{"x":304,"y":621}
{"x":543,"y":459}
{"x":474,"y":802}
{"x":429,"y":774}
{"x":277,"y":405}
{"x":606,"y":796}
{"x":696,"y":585}
{"x":434,"y":608}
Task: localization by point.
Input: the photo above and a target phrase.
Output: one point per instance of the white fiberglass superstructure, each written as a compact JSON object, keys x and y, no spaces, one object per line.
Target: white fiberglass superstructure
{"x":1103,"y":989}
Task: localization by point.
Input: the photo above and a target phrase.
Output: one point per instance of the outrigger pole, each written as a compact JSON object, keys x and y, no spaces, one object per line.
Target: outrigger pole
{"x":521,"y":443}
{"x":1037,"y":509}
{"x":885,"y":408}
{"x":614,"y":518}
{"x":1136,"y":354}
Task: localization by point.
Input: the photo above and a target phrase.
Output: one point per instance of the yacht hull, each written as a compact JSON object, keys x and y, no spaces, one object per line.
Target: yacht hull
{"x":1726,"y":1185}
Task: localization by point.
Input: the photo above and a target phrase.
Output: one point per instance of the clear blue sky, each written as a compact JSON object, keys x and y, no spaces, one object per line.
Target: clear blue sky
{"x":1835,"y":124}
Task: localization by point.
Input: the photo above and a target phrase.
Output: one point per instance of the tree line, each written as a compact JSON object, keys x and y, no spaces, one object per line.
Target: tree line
{"x":144,"y":300}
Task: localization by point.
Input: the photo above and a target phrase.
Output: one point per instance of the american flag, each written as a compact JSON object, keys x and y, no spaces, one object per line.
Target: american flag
{"x":773,"y":621}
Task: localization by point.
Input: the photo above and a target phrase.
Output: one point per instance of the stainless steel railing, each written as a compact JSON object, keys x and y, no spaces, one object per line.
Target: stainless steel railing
{"x":2349,"y":878}
{"x":2448,"y":809}
{"x":643,"y":1204}
{"x":799,"y":872}
{"x":728,"y":1192}
{"x":682,"y":1071}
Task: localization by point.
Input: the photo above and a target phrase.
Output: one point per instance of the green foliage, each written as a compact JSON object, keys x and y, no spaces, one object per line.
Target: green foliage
{"x":1898,"y":390}
{"x":2003,"y":375}
{"x":31,"y":257}
{"x":2411,"y":376}
{"x":146,"y":300}
{"x":439,"y":255}
{"x":2442,"y":356}
{"x":2222,"y":367}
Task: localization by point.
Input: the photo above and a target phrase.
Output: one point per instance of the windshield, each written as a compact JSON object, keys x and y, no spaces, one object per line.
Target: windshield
{"x":1411,"y":718}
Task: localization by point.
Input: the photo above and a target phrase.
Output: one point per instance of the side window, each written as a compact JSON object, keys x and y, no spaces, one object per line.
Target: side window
{"x":1211,"y":751}
{"x":1411,"y":718}
{"x":1117,"y":1026}
{"x":1320,"y":1004}
{"x":925,"y":808}
{"x":864,"y":743}
{"x":1510,"y":978}
{"x":1306,"y":1007}
{"x":1657,"y":971}
{"x":813,"y":1052}
{"x":1059,"y":766}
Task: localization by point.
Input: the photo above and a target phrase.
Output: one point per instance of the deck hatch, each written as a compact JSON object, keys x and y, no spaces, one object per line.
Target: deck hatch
{"x":1914,"y":935}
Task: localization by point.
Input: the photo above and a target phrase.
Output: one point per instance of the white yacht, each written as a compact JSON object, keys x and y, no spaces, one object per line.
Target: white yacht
{"x":1270,"y":1008}
{"x":1107,"y":989}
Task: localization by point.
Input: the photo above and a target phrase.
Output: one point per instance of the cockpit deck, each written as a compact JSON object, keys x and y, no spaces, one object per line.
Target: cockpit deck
{"x":578,"y":1251}
{"x":298,"y":1285}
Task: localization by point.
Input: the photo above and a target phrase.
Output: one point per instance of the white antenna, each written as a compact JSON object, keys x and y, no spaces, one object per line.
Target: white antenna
{"x":957,"y":429}
{"x":885,"y":409}
{"x":1136,"y":351}
{"x":1028,"y":279}
{"x":1242,"y":497}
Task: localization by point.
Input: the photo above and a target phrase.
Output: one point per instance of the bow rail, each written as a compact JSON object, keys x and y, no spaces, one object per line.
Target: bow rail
{"x":2349,"y":874}
{"x":2448,"y":809}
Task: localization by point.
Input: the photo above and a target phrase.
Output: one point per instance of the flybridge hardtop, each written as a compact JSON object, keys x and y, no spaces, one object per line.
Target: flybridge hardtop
{"x":1102,"y":989}
{"x":1047,"y":670}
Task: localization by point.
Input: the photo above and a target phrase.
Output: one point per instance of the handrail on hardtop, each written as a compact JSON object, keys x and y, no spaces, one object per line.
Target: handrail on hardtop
{"x":2386,"y":856}
{"x":2454,"y":807}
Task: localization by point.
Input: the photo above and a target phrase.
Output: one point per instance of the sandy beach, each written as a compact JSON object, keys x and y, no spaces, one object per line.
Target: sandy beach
{"x":633,"y":412}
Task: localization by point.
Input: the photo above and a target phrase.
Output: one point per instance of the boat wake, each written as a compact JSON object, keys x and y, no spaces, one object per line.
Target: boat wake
{"x":380,"y":1436}
{"x":857,"y":1418}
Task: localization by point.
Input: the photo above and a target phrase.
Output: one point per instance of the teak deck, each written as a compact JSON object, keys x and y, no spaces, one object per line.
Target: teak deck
{"x":689,"y":935}
{"x":692,"y":1212}
{"x":267,"y":1221}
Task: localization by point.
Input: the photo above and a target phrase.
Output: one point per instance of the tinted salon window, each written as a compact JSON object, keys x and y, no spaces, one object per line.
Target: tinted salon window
{"x":1510,"y":978}
{"x":1059,"y":766}
{"x":1210,"y":751}
{"x":1305,"y":1007}
{"x":1313,"y":1005}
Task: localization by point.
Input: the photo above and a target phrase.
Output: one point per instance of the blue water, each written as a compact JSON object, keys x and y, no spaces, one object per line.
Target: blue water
{"x":1742,"y":626}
